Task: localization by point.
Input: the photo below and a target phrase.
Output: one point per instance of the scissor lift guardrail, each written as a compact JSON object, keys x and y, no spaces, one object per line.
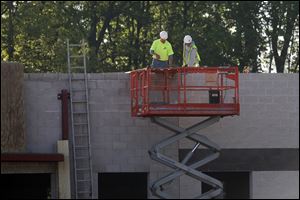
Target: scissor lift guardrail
{"x":191,"y":91}
{"x":185,"y":91}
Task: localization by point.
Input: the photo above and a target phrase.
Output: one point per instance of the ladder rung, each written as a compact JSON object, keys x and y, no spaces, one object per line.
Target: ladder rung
{"x":76,"y":56}
{"x":79,"y":101}
{"x":81,"y":147}
{"x":85,"y":180}
{"x":78,"y":79}
{"x":79,"y":124}
{"x":83,"y":169}
{"x":83,"y":192}
{"x":78,"y":67}
{"x":81,"y":135}
{"x":79,"y":158}
{"x":79,"y":112}
{"x":75,"y":45}
{"x":78,"y":90}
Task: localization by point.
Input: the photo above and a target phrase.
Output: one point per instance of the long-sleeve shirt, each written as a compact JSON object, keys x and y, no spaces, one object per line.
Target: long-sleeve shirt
{"x":190,"y":57}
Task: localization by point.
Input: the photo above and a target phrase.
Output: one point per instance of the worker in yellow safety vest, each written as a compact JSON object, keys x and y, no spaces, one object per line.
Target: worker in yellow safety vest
{"x":190,"y":55}
{"x":161,"y":51}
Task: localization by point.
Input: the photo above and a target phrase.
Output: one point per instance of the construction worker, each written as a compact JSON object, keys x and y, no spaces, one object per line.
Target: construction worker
{"x":190,"y":55}
{"x":162,"y":52}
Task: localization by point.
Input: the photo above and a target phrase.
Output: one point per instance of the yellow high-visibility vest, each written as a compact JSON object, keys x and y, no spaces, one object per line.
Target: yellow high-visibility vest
{"x":185,"y":62}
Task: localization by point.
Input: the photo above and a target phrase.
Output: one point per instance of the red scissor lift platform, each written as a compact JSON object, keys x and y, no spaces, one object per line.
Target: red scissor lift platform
{"x":189,"y":91}
{"x":185,"y":91}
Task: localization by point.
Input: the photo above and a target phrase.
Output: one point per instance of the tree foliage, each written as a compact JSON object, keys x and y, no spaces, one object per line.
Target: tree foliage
{"x":261,"y":34}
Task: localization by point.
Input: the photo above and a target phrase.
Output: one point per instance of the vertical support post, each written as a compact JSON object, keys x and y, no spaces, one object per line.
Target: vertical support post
{"x":148,"y":87}
{"x":184,"y":88}
{"x":134,"y":93}
{"x":164,"y":86}
{"x":144,"y":90}
{"x":236,"y":83}
{"x":222,"y":93}
{"x":167,"y":86}
{"x":136,"y":82}
{"x":178,"y":85}
{"x":131,"y":94}
{"x":64,"y":96}
{"x":64,"y":184}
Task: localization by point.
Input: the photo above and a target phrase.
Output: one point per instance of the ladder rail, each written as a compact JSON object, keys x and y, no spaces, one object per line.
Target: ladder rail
{"x":72,"y":118}
{"x":88,"y":121}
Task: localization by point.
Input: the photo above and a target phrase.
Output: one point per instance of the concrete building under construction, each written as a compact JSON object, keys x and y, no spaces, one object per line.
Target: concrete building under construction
{"x":56,"y":143}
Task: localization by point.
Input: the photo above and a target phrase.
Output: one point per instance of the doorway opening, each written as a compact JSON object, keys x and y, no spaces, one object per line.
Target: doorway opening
{"x":28,"y":186}
{"x":122,"y":185}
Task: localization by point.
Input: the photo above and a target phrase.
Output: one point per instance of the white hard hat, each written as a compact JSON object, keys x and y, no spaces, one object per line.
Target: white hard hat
{"x":187,"y":39}
{"x":163,"y":35}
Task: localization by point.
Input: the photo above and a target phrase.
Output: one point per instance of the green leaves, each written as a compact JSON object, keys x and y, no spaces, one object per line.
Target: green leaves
{"x":120,"y":33}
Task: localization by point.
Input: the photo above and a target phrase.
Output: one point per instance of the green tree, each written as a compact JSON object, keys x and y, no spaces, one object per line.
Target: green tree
{"x":283,"y":17}
{"x":120,"y":33}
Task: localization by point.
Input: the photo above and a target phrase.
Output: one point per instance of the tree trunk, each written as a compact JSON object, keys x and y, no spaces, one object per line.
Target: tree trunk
{"x":129,"y":25}
{"x":92,"y":41}
{"x":137,"y":45}
{"x":101,"y":34}
{"x":10,"y":37}
{"x":291,"y":18}
{"x":290,"y":54}
{"x":185,"y":13}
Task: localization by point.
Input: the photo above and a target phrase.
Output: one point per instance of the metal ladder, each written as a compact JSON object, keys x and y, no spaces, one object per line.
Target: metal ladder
{"x":80,"y":120}
{"x":181,"y":168}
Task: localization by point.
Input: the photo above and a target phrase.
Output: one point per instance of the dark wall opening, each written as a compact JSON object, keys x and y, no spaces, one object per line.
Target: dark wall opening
{"x":236,"y":184}
{"x":122,"y":185}
{"x":25,"y":186}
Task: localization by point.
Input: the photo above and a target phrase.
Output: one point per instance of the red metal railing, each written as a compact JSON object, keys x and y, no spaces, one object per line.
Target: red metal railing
{"x":185,"y":91}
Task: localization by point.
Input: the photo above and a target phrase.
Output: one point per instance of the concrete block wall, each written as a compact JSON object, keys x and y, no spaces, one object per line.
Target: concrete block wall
{"x":43,"y":111}
{"x":269,"y":185}
{"x":269,"y":114}
{"x":269,"y":119}
{"x":119,"y":142}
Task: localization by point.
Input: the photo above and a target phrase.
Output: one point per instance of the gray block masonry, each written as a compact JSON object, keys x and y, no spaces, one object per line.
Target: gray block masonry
{"x":269,"y":119}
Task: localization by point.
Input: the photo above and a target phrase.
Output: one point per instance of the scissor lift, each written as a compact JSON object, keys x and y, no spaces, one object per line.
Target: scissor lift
{"x":190,"y":91}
